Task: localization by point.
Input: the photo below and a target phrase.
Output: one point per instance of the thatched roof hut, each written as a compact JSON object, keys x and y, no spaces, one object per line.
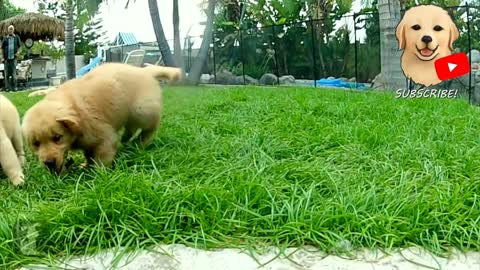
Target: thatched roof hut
{"x":35,"y":26}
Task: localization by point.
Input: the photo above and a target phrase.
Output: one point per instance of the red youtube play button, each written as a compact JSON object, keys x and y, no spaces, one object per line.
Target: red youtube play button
{"x":452,"y":66}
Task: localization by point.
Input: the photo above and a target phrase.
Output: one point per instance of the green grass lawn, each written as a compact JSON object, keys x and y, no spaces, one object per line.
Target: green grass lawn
{"x":259,"y":166}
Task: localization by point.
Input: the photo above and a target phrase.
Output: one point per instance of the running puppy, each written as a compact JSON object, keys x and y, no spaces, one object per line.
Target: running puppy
{"x":12,"y":155}
{"x":87,"y":113}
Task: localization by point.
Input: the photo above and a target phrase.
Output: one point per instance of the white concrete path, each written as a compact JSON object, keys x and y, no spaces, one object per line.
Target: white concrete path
{"x":185,"y":258}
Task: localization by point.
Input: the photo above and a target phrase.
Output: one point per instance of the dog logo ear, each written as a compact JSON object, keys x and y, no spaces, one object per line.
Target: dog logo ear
{"x":454,"y":34}
{"x":70,"y":124}
{"x":400,"y":33}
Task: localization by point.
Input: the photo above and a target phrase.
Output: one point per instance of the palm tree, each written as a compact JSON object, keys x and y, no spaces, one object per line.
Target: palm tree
{"x":176,"y":36}
{"x":389,"y":12}
{"x":69,"y":41}
{"x":196,"y":70}
{"x":201,"y":59}
{"x":91,"y":6}
{"x":160,"y":34}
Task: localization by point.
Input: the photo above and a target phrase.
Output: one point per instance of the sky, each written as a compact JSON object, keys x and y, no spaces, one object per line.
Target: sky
{"x":136,"y":18}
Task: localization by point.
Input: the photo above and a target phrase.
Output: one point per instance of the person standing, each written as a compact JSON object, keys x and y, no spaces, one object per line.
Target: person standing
{"x":10,"y":48}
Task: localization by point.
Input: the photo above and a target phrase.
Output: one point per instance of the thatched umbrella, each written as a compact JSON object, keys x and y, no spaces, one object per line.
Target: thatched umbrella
{"x":35,"y":26}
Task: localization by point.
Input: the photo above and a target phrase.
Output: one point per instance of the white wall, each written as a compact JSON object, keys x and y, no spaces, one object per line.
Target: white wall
{"x":79,"y":63}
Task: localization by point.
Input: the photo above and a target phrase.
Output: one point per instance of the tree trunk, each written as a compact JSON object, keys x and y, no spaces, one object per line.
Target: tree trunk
{"x":69,"y":41}
{"x":177,"y":47}
{"x":201,"y":59}
{"x":392,"y":74}
{"x":159,"y":34}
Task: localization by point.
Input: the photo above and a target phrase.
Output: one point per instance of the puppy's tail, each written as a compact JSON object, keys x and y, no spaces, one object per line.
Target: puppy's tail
{"x":162,"y":72}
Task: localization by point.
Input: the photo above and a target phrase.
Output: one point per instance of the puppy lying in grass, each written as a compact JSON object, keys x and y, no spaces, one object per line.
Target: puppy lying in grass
{"x":12,"y":155}
{"x":87,"y":113}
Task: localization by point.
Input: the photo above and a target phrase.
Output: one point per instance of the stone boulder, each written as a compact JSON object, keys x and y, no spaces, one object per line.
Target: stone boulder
{"x":238,"y":80}
{"x":475,"y":56}
{"x":226,"y":78}
{"x":205,"y":78}
{"x":287,"y":79}
{"x":379,"y":82}
{"x":268,"y":79}
{"x":476,"y":87}
{"x":250,"y":81}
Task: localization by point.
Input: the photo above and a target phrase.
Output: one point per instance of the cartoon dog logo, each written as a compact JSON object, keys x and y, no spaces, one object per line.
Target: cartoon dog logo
{"x":426,"y":33}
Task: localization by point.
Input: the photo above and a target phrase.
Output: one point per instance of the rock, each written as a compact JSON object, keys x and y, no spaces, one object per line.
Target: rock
{"x":205,"y":78}
{"x":251,"y":81}
{"x":475,"y":95}
{"x":475,"y":56}
{"x":238,"y":80}
{"x":287,"y":79}
{"x":268,"y":79}
{"x":331,"y":78}
{"x":378,"y":83}
{"x":343,"y":79}
{"x":352,"y":79}
{"x":459,"y":83}
{"x":226,"y":78}
{"x":476,"y":76}
{"x":476,"y":88}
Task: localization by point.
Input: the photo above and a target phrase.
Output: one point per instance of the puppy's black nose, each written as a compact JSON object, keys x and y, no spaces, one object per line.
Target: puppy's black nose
{"x":50,"y":164}
{"x":427,"y":39}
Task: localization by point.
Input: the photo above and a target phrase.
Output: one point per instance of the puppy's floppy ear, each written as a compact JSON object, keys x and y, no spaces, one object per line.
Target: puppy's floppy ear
{"x":454,"y":34}
{"x":70,"y":123}
{"x":400,"y":33}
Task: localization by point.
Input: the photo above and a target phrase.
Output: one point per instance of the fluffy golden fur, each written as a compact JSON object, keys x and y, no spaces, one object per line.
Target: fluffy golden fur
{"x":12,"y":156}
{"x":89,"y":112}
{"x":425,"y":33}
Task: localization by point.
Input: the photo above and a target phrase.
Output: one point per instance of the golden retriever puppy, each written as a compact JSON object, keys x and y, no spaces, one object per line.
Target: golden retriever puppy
{"x":12,"y":155}
{"x":425,"y":33}
{"x":87,"y":113}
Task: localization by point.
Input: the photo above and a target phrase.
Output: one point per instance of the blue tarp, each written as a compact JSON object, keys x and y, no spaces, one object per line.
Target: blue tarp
{"x":95,"y":61}
{"x":340,"y":83}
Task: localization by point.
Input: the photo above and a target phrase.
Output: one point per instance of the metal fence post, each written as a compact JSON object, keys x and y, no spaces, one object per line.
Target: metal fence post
{"x":313,"y":54}
{"x":214,"y":60}
{"x":469,"y":54}
{"x":355,"y":48}
{"x":275,"y":53}
{"x":241,"y":54}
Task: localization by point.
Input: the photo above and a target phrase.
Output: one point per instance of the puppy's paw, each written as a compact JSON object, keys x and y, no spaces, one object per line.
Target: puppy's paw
{"x":18,"y":180}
